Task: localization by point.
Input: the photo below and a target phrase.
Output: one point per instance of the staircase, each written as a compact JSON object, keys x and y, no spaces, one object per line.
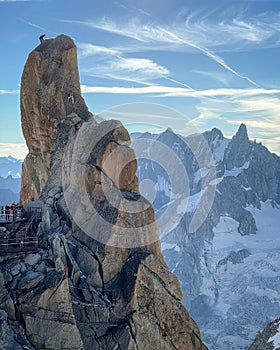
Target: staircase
{"x":21,"y":237}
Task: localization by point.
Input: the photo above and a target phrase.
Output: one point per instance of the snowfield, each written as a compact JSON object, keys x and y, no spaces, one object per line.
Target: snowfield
{"x":241,"y":274}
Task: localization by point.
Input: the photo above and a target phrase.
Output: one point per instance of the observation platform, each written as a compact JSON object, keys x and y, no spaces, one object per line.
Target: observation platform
{"x":18,"y":230}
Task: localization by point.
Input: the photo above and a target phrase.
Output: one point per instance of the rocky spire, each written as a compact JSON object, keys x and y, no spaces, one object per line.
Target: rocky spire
{"x":99,"y":280}
{"x":239,"y":149}
{"x":50,"y":90}
{"x":242,"y":133}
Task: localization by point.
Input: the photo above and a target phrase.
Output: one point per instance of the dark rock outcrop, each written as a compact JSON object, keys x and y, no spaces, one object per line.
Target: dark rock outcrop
{"x":267,"y":338}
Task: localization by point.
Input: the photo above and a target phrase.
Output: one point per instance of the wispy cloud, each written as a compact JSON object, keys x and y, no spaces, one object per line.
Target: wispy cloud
{"x":233,"y":33}
{"x":154,"y":89}
{"x":31,"y":23}
{"x":204,"y":33}
{"x":8,"y":92}
{"x":139,"y":70}
{"x":15,"y":0}
{"x":87,"y":49}
{"x":209,"y":54}
{"x":178,"y":38}
{"x":17,"y":150}
{"x":180,"y":92}
{"x":139,"y":66}
{"x":221,"y":77}
{"x":257,"y":108}
{"x":221,"y":31}
{"x":209,"y":35}
{"x":113,"y":64}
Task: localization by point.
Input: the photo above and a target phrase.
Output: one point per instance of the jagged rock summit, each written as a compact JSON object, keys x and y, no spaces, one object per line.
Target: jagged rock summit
{"x":98,"y":279}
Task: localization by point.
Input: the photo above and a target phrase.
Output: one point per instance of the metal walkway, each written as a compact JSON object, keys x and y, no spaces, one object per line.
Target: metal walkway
{"x":21,"y":236}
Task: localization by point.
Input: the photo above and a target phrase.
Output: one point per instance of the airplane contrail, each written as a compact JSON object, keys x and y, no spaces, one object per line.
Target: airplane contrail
{"x":209,"y":54}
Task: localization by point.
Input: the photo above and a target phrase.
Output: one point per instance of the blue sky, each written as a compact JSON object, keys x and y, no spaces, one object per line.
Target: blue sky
{"x":214,"y":62}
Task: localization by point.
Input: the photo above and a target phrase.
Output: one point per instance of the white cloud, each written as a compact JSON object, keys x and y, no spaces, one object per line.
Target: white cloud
{"x":208,"y":35}
{"x":181,"y":92}
{"x":15,"y":0}
{"x":235,"y":33}
{"x":259,"y":111}
{"x":17,"y":150}
{"x":269,"y":105}
{"x":142,"y":66}
{"x":154,"y":89}
{"x":257,"y":108}
{"x":139,"y":70}
{"x":136,"y":64}
{"x":221,"y":77}
{"x":112,"y":64}
{"x":209,"y":54}
{"x":8,"y":92}
{"x":222,"y":29}
{"x":194,"y":32}
{"x":179,"y":37}
{"x":87,"y":49}
{"x":215,"y":32}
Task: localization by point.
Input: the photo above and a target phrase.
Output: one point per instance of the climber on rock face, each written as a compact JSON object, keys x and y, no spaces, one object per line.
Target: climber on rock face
{"x":70,"y":95}
{"x":41,"y":38}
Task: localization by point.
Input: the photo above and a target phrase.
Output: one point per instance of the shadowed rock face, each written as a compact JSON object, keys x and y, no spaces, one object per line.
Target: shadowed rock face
{"x":98,"y":280}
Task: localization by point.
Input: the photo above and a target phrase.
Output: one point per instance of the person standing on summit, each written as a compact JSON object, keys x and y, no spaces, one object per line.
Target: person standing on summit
{"x":42,"y":37}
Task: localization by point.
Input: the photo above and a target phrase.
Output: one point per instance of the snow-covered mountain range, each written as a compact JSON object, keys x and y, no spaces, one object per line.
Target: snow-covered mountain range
{"x":218,"y":206}
{"x":10,"y":166}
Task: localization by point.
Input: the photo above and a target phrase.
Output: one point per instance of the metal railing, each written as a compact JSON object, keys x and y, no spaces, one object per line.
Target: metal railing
{"x":14,"y":245}
{"x":22,"y":238}
{"x":10,"y":215}
{"x":17,"y":213}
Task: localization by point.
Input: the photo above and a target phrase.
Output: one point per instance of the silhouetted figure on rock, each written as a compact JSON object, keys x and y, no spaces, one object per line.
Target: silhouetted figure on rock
{"x":42,"y":37}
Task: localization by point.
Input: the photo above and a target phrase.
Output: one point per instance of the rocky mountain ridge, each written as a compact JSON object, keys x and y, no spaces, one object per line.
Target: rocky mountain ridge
{"x":228,"y":265}
{"x":98,"y":279}
{"x":10,"y":166}
{"x":9,"y":189}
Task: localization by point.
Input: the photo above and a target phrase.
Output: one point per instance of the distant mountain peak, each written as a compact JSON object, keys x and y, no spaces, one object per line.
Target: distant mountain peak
{"x":10,"y":166}
{"x":213,"y":134}
{"x":242,"y":133}
{"x":170,"y":130}
{"x":239,"y":149}
{"x":217,"y":131}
